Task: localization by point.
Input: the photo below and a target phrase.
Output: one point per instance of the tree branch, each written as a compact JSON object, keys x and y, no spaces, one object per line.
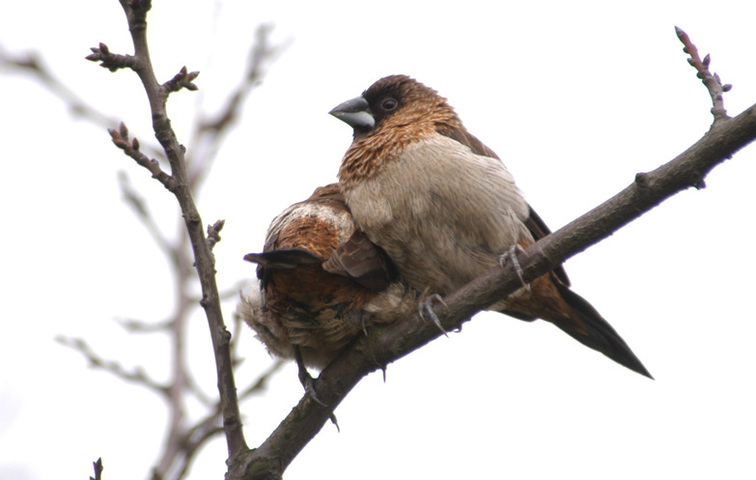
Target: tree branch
{"x":137,"y":376}
{"x":140,"y":207}
{"x":132,"y":325}
{"x":177,"y":183}
{"x":710,"y":80}
{"x":31,"y":63}
{"x":120,"y":139}
{"x":109,"y":60}
{"x":97,"y":469}
{"x":181,"y":80}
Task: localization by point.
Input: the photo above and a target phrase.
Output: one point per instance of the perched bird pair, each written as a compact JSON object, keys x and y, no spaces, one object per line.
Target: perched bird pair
{"x":444,"y":209}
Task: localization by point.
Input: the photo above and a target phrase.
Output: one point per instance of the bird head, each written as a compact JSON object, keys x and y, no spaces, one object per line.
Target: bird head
{"x":394,"y":101}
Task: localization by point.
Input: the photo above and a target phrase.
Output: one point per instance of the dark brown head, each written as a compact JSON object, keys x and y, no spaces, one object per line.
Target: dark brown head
{"x":395,"y":101}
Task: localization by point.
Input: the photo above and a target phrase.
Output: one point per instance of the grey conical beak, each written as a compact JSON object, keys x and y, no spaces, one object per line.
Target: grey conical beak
{"x":356,"y":113}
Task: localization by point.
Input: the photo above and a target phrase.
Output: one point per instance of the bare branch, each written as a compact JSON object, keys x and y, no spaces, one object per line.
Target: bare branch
{"x":111,"y":61}
{"x":181,"y":80}
{"x":136,"y":12}
{"x":186,"y":445}
{"x":199,"y":394}
{"x":120,"y":139}
{"x":138,"y":326}
{"x":261,"y":383}
{"x":213,"y":233}
{"x":137,"y":203}
{"x":32,"y":64}
{"x":260,"y":55}
{"x":98,"y":468}
{"x":712,"y":81}
{"x":137,"y":376}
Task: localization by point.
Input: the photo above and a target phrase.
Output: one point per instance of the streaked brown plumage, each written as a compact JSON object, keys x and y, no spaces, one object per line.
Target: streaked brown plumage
{"x":321,"y":282}
{"x":445,"y":209}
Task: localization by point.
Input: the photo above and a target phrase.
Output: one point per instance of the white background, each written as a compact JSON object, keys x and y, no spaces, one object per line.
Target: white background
{"x":576,"y":97}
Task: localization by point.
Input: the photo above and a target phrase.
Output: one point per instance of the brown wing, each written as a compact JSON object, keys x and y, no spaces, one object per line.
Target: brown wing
{"x":363,"y":261}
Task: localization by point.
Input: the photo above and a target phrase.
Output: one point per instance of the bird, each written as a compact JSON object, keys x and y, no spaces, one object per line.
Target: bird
{"x":321,"y":284}
{"x":445,"y":209}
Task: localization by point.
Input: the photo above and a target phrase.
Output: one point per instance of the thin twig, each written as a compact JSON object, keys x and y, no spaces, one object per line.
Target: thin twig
{"x":259,"y":385}
{"x":139,"y":326}
{"x":31,"y":63}
{"x":213,"y":233}
{"x":109,"y":60}
{"x":137,"y":376}
{"x":711,"y":80}
{"x":120,"y":139}
{"x":183,"y":79}
{"x":98,"y":468}
{"x":142,"y":210}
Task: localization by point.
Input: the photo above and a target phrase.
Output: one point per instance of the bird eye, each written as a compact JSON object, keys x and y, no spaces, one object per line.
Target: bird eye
{"x":388,"y":104}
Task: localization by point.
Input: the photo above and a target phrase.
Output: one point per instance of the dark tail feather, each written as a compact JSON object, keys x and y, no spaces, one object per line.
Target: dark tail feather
{"x":284,"y":258}
{"x":601,"y":336}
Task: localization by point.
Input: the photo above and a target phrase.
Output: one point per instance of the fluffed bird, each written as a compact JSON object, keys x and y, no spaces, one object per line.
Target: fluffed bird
{"x":445,"y":209}
{"x":322,"y":283}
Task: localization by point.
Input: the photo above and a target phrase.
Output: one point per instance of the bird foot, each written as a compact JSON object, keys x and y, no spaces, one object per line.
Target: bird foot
{"x":309,"y":386}
{"x":308,"y":383}
{"x":425,"y":307}
{"x":511,"y":255}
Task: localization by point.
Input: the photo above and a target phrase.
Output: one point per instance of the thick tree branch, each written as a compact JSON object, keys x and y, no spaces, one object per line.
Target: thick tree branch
{"x":385,"y":344}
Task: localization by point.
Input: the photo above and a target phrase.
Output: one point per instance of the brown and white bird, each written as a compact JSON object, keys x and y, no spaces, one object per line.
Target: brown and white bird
{"x":445,"y":208}
{"x":321,"y":283}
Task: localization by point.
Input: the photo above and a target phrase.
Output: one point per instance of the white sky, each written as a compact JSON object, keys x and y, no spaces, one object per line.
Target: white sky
{"x":576,"y":97}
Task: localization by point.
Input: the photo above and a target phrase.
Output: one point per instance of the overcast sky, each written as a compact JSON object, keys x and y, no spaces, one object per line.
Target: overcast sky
{"x":575,"y":97}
